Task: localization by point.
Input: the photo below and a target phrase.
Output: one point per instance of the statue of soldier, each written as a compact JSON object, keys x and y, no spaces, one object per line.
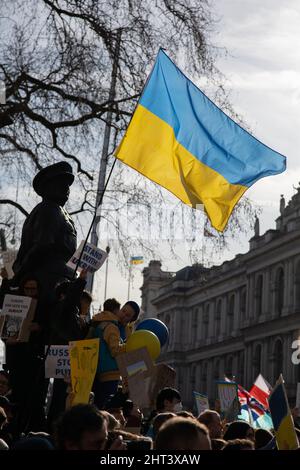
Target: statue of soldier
{"x":49,"y":235}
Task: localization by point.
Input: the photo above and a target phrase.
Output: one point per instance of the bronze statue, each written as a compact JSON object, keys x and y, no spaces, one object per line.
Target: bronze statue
{"x":49,"y":236}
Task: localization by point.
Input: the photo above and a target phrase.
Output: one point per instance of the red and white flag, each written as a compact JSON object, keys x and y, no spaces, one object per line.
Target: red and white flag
{"x":261,"y":390}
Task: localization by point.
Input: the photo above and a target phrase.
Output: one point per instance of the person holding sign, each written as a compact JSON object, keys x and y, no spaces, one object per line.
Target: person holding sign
{"x":112,"y":328}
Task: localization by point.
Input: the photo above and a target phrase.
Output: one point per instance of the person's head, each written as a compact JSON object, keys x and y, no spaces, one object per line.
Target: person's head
{"x":262,"y":438}
{"x":61,"y":290}
{"x":239,"y":444}
{"x":211,"y":419}
{"x":218,"y":444}
{"x":85,"y":302}
{"x":129,"y":313}
{"x":168,"y":399}
{"x":53,"y":182}
{"x":112,"y":305}
{"x":182,"y":434}
{"x":114,"y":405}
{"x":239,"y":430}
{"x":185,"y":414}
{"x":4,"y":383}
{"x":82,"y":427}
{"x":29,"y":286}
{"x":159,"y":420}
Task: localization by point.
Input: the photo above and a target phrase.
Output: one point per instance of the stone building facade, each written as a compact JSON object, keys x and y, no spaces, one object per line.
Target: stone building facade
{"x":239,"y":318}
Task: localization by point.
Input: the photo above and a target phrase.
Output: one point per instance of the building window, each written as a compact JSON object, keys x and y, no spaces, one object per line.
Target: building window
{"x":218,"y":318}
{"x":203,"y":388}
{"x":229,"y":367}
{"x":297,"y":286}
{"x":259,"y":295}
{"x":217,"y":370}
{"x":257,"y":361}
{"x":241,"y":367}
{"x":243,"y":302}
{"x":279,"y":291}
{"x":193,"y":377}
{"x":194,"y":326}
{"x":278,"y":360}
{"x":230,"y":315}
{"x":206,"y":322}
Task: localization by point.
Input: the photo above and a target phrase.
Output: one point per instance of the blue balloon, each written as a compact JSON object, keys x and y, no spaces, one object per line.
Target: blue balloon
{"x":157,"y":327}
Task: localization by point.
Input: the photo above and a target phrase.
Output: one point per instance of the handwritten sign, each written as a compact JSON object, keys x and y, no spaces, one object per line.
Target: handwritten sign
{"x":92,"y":258}
{"x":83,"y":360}
{"x":227,"y":393}
{"x":15,"y":317}
{"x":201,"y":401}
{"x":57,"y":363}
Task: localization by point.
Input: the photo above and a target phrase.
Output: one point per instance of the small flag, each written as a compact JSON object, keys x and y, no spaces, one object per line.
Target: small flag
{"x":261,"y":390}
{"x":282,"y":418}
{"x":181,"y":140}
{"x":136,"y":260}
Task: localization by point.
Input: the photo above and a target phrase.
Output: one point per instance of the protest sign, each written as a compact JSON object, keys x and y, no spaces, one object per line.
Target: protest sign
{"x":227,"y":391}
{"x":92,"y":258}
{"x":202,"y":403}
{"x":133,"y":362}
{"x":15,"y":318}
{"x":163,"y":376}
{"x":83,"y":361}
{"x":57,"y":365}
{"x":8,"y":259}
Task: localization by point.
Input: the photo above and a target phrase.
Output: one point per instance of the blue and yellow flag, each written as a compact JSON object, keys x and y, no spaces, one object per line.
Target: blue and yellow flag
{"x":136,"y":260}
{"x":284,"y":428}
{"x":181,"y":140}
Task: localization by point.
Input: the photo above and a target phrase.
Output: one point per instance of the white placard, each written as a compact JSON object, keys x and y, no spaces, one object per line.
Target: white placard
{"x":57,"y":365}
{"x":14,"y":311}
{"x":92,"y":258}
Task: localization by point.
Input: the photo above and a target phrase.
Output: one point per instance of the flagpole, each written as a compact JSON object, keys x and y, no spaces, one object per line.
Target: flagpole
{"x":107,"y":249}
{"x":129,"y":279}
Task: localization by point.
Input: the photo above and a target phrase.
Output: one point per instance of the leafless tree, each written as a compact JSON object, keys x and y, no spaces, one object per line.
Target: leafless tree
{"x":55,"y":60}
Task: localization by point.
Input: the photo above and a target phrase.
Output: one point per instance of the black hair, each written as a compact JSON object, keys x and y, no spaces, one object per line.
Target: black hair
{"x":75,"y":421}
{"x":111,"y":305}
{"x":166,"y":393}
{"x":6,"y":375}
{"x":135,"y":308}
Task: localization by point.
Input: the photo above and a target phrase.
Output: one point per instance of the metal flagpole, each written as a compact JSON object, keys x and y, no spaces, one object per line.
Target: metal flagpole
{"x":105,"y":151}
{"x":107,"y":249}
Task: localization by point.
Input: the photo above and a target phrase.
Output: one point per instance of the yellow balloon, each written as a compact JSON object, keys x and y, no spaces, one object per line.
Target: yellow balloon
{"x":144,"y":338}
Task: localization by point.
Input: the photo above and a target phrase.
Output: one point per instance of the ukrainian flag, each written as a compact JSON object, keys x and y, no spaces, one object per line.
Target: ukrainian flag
{"x":181,"y":140}
{"x":286,"y":436}
{"x":136,"y":260}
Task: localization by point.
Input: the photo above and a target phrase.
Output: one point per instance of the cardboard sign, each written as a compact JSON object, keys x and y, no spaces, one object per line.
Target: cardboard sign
{"x":57,"y":365}
{"x":92,"y":258}
{"x":8,"y":259}
{"x":16,"y":316}
{"x":83,"y":360}
{"x":227,"y":393}
{"x":202,"y":403}
{"x":135,"y":362}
